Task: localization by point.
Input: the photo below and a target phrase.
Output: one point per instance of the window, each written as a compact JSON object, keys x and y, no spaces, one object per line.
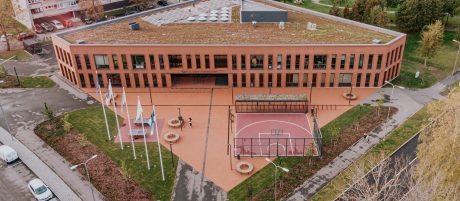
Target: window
{"x":220,"y":61}
{"x":175,"y":61}
{"x":146,"y":80}
{"x":345,"y":79}
{"x":270,"y":61}
{"x":152,"y":61}
{"x":102,"y":61}
{"x":163,"y":80}
{"x":154,"y":80}
{"x":313,"y":80}
{"x":91,"y":80}
{"x":234,"y":63}
{"x":400,"y":51}
{"x":206,"y":61}
{"x":352,"y":61}
{"x":128,"y":80}
{"x":243,"y":62}
{"x":198,"y":61}
{"x":358,"y":80}
{"x":82,"y":80}
{"x":323,"y":79}
{"x":368,"y":79}
{"x":331,"y":80}
{"x":379,"y":61}
{"x":115,"y":61}
{"x":261,"y":80}
{"x":334,"y":61}
{"x":235,"y":80}
{"x":87,"y":62}
{"x":392,"y":56}
{"x":136,"y":80}
{"x":252,"y":79}
{"x":343,"y":58}
{"x":361,"y":61}
{"x":370,"y":61}
{"x":297,"y":62}
{"x":115,"y":79}
{"x":305,"y":79}
{"x":279,"y":61}
{"x":77,"y":61}
{"x":123,"y":60}
{"x":376,"y":79}
{"x":189,"y":61}
{"x":270,"y":80}
{"x":161,"y":61}
{"x":278,"y":80}
{"x":319,"y":62}
{"x":100,"y":80}
{"x":138,"y":61}
{"x":292,"y":80}
{"x":257,"y":62}
{"x":288,"y":61}
{"x":243,"y":80}
{"x":388,"y":60}
{"x":307,"y":62}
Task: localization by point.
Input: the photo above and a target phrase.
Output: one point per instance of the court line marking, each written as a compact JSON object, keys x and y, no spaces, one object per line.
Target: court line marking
{"x":265,"y":121}
{"x":277,"y":142}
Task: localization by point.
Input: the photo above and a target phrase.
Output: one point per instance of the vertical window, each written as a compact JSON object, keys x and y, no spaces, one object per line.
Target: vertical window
{"x":189,"y":61}
{"x":243,"y":61}
{"x":91,"y":80}
{"x":102,"y":61}
{"x":87,"y":62}
{"x":115,"y":61}
{"x":115,"y":79}
{"x":297,"y":62}
{"x":101,"y":80}
{"x":368,"y":79}
{"x":161,"y":61}
{"x":206,"y":61}
{"x":334,"y":61}
{"x":279,"y":61}
{"x":136,"y":80}
{"x":243,"y":80}
{"x":261,"y":80}
{"x":278,"y":80}
{"x":138,"y":61}
{"x":392,"y":56}
{"x":235,"y":79}
{"x":319,"y":62}
{"x":252,"y":80}
{"x":270,"y":61}
{"x":400,"y":51}
{"x":379,"y":61}
{"x":154,"y":80}
{"x":128,"y":80}
{"x":376,"y":79}
{"x":313,"y":80}
{"x":288,"y":61}
{"x":292,"y":80}
{"x":345,"y":79}
{"x":198,"y":61}
{"x":307,"y":61}
{"x":352,"y":61}
{"x":77,"y":61}
{"x":175,"y":61}
{"x":358,"y":80}
{"x":234,"y":62}
{"x":305,"y":79}
{"x":323,"y":79}
{"x":146,"y":80}
{"x":343,"y":59}
{"x":124,"y":61}
{"x":257,"y":62}
{"x":361,"y":61}
{"x":370,"y":61}
{"x":270,"y":80}
{"x":388,"y":60}
{"x":220,"y":61}
{"x":331,"y":80}
{"x":82,"y":80}
{"x":152,"y":61}
{"x":163,"y":80}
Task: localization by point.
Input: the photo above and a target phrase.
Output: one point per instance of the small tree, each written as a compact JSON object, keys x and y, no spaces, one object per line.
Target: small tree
{"x":6,"y":21}
{"x":347,"y":12}
{"x":48,"y":112}
{"x":431,"y":40}
{"x":335,"y":10}
{"x":93,"y":8}
{"x":380,"y":103}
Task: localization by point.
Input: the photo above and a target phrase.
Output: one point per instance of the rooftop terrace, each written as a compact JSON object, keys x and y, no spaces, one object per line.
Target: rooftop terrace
{"x":173,"y":27}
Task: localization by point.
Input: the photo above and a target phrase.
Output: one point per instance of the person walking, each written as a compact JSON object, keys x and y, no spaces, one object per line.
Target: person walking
{"x":190,"y":121}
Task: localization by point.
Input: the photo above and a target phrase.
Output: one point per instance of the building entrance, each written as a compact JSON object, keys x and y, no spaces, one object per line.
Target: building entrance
{"x":199,"y":80}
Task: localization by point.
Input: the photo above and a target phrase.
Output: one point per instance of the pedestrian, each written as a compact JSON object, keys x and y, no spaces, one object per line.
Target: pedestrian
{"x":190,"y":121}
{"x":365,"y":137}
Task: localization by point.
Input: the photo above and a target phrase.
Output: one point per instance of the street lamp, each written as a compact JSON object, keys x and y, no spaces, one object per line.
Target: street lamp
{"x":87,"y":173}
{"x":391,"y":96}
{"x":276,"y":169}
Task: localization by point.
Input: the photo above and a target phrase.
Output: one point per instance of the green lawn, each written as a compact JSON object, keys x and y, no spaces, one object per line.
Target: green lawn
{"x":21,"y":55}
{"x":26,"y":82}
{"x":309,"y":5}
{"x":90,"y":122}
{"x":264,"y":178}
{"x":394,"y":140}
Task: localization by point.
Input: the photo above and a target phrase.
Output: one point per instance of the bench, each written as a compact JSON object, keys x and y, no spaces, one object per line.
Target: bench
{"x":137,"y":133}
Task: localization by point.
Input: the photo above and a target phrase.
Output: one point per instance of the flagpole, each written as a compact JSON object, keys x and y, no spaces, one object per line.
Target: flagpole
{"x":129,"y":123}
{"x":158,"y":143}
{"x":105,"y":116}
{"x":116,"y":116}
{"x":145,"y":136}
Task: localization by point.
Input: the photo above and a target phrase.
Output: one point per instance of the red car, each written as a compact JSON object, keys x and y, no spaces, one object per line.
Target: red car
{"x":38,"y":28}
{"x":23,"y":36}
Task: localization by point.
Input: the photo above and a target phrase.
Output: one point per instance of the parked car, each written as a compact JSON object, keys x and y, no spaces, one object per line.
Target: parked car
{"x":26,"y":35}
{"x":8,"y":154}
{"x":38,"y":28}
{"x":47,"y":26}
{"x":87,"y":20}
{"x":130,"y":12}
{"x":162,"y":3}
{"x":40,"y":191}
{"x":57,"y":24}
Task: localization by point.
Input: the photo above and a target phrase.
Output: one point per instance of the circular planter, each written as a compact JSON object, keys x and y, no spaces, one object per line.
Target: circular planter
{"x":244,"y":167}
{"x":349,"y":96}
{"x":171,"y":137}
{"x":174,"y":123}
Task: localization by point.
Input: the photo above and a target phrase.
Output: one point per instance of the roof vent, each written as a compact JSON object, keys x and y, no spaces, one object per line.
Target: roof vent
{"x":376,"y":41}
{"x":134,"y":26}
{"x":311,"y":26}
{"x":80,"y":41}
{"x":281,"y":25}
{"x":254,"y":23}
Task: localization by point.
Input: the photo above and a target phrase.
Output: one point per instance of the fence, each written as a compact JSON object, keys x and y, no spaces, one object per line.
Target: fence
{"x":251,"y":147}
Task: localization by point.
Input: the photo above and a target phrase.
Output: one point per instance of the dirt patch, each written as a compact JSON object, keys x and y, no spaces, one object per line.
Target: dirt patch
{"x":309,"y":166}
{"x":110,"y":180}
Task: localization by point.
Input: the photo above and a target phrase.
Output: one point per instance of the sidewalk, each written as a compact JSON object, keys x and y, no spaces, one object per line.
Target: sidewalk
{"x":408,"y":103}
{"x":49,"y":166}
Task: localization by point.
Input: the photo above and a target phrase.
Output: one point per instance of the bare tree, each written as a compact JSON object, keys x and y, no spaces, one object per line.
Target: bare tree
{"x":93,"y":8}
{"x":6,"y":19}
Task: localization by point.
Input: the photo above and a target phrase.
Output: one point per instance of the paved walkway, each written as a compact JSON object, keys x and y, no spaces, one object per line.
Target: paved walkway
{"x":407,"y":101}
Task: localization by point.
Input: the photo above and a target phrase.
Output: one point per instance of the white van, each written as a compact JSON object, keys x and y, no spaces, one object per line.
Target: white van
{"x":8,"y":154}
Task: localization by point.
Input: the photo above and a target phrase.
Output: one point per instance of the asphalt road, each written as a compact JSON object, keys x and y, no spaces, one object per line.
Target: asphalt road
{"x":13,"y":182}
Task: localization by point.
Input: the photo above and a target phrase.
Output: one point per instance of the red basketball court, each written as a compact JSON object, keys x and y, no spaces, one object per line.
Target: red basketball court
{"x":273,"y":134}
